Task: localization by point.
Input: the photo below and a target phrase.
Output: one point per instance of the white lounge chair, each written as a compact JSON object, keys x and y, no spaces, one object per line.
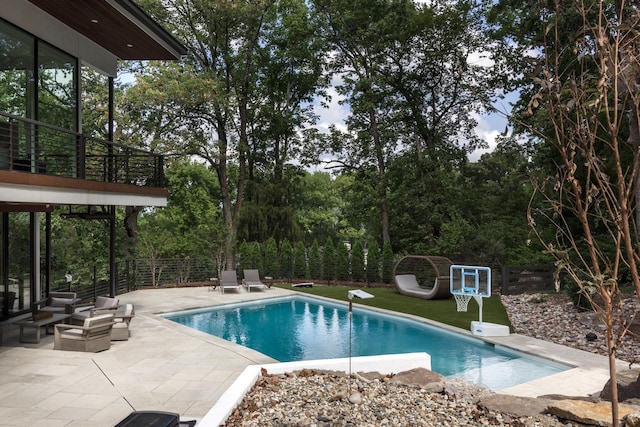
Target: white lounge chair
{"x":407,"y":284}
{"x":252,"y":280}
{"x":229,"y":280}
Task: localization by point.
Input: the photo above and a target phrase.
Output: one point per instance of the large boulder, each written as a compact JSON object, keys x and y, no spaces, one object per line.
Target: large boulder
{"x":628,"y":386}
{"x":597,"y":414}
{"x":426,"y":379}
{"x":515,"y":405}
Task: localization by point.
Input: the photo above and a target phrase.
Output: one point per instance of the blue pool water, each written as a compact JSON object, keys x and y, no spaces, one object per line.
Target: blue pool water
{"x":301,"y":328}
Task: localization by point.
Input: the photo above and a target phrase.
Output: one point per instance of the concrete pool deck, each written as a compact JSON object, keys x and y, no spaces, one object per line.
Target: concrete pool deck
{"x":165,"y":366}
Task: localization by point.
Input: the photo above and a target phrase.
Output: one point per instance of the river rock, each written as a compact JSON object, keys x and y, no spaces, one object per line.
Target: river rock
{"x":632,"y":420}
{"x":426,"y":379}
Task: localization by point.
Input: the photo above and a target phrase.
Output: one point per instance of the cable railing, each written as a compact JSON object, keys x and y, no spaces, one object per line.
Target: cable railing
{"x":30,"y":146}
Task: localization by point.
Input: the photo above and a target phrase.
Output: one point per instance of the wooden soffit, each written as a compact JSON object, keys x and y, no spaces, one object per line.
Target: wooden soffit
{"x":119,"y":26}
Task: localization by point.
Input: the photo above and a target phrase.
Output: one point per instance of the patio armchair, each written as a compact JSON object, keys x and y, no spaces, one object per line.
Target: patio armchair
{"x":122,"y":319}
{"x":57,"y":302}
{"x":93,"y":336}
{"x":229,"y":280}
{"x":82,"y":312}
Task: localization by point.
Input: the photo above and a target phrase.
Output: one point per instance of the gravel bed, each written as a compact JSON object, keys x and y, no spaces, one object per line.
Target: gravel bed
{"x":553,"y":318}
{"x":324,"y":399}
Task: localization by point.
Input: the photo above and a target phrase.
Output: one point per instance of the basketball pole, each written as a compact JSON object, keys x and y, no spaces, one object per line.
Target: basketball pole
{"x":478,"y":299}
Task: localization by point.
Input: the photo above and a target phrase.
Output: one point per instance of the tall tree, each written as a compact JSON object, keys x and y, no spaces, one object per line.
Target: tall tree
{"x":271,"y":261}
{"x":412,"y":76}
{"x":216,"y":99}
{"x":329,"y":261}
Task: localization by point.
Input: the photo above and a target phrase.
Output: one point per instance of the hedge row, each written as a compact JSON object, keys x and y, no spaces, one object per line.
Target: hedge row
{"x":344,"y":261}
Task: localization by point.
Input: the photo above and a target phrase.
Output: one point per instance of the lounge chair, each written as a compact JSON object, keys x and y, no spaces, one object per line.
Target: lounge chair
{"x":229,"y":280}
{"x":252,"y":280}
{"x":407,"y":284}
{"x":93,"y":336}
{"x":122,"y":319}
{"x":427,"y":267}
{"x":101,"y":304}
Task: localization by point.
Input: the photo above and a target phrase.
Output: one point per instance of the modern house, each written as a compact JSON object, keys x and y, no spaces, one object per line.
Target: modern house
{"x":45,"y":159}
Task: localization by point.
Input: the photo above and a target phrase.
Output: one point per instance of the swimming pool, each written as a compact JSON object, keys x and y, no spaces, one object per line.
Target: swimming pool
{"x":302,"y":328}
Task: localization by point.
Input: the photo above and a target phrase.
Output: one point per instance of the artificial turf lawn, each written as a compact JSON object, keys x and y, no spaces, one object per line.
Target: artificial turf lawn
{"x":443,"y":310}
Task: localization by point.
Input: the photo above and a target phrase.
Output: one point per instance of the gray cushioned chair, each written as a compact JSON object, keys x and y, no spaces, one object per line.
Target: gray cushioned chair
{"x":101,"y":304}
{"x":57,"y":302}
{"x":122,"y":319}
{"x":93,"y":336}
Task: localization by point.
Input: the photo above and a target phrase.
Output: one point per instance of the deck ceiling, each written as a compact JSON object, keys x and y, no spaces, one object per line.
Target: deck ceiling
{"x":117,"y":25}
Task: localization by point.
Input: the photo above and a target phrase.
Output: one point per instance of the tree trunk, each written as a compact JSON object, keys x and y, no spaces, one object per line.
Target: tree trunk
{"x":611,"y":351}
{"x":381,"y":184}
{"x":131,"y":227}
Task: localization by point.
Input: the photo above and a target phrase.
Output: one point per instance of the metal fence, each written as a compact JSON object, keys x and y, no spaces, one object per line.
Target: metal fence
{"x":527,"y":278}
{"x":142,"y":273}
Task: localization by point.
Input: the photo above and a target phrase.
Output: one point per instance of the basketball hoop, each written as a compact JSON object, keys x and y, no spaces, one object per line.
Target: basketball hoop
{"x":462,"y":301}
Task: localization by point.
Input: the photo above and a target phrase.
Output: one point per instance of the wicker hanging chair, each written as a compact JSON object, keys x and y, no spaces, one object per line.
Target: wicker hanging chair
{"x":423,"y":276}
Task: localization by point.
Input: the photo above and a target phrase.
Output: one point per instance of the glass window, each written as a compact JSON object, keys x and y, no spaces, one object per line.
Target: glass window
{"x":16,"y":71}
{"x":19,"y":278}
{"x":56,"y":87}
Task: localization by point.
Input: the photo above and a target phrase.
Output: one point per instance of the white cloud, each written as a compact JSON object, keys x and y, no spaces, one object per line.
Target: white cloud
{"x":334,"y":113}
{"x":489,"y":128}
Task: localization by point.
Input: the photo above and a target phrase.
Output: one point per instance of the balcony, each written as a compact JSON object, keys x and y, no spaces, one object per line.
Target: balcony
{"x":38,"y":148}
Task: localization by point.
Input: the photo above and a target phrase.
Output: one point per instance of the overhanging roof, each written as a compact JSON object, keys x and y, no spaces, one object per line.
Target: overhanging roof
{"x":119,"y":26}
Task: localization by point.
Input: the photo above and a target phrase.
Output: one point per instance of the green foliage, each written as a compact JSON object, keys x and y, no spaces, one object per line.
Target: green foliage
{"x":270,"y":209}
{"x":241,"y":98}
{"x":387,"y":263}
{"x":286,"y":259}
{"x":373,"y":262}
{"x":342,"y":262}
{"x":579,"y":293}
{"x":329,"y":260}
{"x":300,"y":267}
{"x":357,"y":262}
{"x":255,"y":255}
{"x":271,"y":261}
{"x":315,"y":261}
{"x":454,"y":234}
{"x":422,"y":196}
{"x":244,"y":252}
{"x":77,"y":245}
{"x":190,"y":224}
{"x":318,"y":206}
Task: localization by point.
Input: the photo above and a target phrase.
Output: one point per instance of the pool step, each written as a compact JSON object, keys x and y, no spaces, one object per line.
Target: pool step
{"x":498,"y":376}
